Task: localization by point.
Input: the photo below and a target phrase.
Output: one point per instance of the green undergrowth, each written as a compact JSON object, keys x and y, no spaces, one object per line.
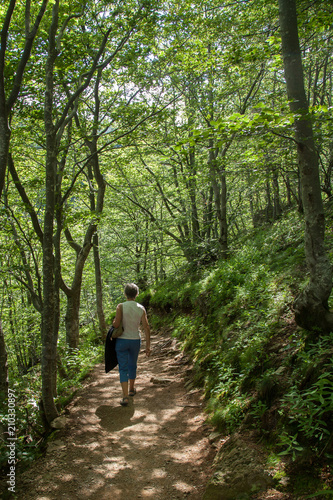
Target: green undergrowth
{"x":76,"y":365}
{"x":73,"y":368}
{"x":258,"y":369}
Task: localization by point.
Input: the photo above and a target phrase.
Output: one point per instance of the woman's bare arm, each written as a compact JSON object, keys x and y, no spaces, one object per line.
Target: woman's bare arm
{"x":146,"y":327}
{"x":118,"y":316}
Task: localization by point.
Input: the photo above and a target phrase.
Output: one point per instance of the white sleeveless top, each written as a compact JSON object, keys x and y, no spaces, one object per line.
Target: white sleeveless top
{"x":132,"y":314}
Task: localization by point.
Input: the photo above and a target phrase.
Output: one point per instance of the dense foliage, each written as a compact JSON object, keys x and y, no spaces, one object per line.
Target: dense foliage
{"x":258,"y":369}
{"x":153,"y":142}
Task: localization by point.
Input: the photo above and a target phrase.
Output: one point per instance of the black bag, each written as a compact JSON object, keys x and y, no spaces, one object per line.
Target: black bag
{"x":111,"y":360}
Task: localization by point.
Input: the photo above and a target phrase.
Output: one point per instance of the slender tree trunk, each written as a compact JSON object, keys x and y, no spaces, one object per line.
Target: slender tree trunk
{"x":3,"y":364}
{"x":97,"y":206}
{"x":49,"y":354}
{"x":3,"y":380}
{"x":218,"y":196}
{"x":192,"y":192}
{"x":218,"y":178}
{"x":4,"y":146}
{"x":327,"y":188}
{"x":311,"y":306}
{"x":269,"y":206}
{"x":72,"y":317}
{"x":191,"y":183}
{"x":57,"y":285}
{"x":4,"y":127}
{"x":155,"y":266}
{"x":224,"y":221}
{"x":99,"y":289}
{"x":277,"y":210}
{"x":74,"y":293}
{"x":289,"y":193}
{"x":48,"y":315}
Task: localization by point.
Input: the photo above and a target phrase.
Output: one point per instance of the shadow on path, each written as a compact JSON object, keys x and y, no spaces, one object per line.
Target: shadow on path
{"x":156,"y":448}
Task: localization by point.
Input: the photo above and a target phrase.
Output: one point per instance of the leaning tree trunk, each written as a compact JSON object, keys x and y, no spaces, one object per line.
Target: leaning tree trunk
{"x":311,"y":306}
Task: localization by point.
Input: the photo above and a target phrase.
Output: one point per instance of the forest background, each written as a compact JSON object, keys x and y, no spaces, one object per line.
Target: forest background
{"x":185,"y":147}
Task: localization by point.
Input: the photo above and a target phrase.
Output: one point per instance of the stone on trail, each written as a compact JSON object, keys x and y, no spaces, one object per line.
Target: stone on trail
{"x":238,"y":472}
{"x":55,"y":445}
{"x":59,"y":423}
{"x":159,"y":380}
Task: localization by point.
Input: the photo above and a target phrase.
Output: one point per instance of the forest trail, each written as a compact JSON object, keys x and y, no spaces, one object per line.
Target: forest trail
{"x":156,"y":448}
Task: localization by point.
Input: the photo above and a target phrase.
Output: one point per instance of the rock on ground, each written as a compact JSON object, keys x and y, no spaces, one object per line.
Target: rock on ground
{"x":238,"y":472}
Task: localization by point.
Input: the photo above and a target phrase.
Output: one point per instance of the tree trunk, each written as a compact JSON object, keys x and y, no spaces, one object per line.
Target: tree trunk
{"x":72,"y":318}
{"x":269,"y":206}
{"x":311,"y":306}
{"x":327,"y":187}
{"x":49,"y":354}
{"x":4,"y":146}
{"x":97,"y":206}
{"x":3,"y":364}
{"x":99,"y":289}
{"x":3,"y":380}
{"x":219,"y":197}
{"x":74,"y":293}
{"x":220,"y":191}
{"x":223,"y":221}
{"x":276,"y":194}
{"x":192,"y":178}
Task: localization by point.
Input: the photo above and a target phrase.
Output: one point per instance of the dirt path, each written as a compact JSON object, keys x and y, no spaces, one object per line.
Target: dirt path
{"x":156,"y":448}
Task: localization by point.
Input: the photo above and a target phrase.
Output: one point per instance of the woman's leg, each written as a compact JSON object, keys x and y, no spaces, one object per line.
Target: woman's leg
{"x":127,"y":355}
{"x":124,"y":387}
{"x":134,"y":350}
{"x":122,"y":356}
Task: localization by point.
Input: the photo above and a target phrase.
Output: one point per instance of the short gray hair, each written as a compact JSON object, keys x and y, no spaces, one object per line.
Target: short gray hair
{"x":131,"y":290}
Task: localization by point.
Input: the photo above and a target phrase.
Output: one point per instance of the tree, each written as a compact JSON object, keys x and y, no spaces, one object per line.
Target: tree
{"x":3,"y":375}
{"x":8,"y":97}
{"x":311,"y":306}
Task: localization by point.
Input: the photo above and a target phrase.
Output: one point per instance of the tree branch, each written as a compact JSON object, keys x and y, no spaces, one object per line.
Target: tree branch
{"x":25,"y":57}
{"x":149,"y":213}
{"x":71,"y":242}
{"x":30,"y":209}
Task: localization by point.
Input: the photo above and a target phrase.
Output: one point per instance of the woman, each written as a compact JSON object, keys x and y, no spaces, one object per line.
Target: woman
{"x":128,"y":344}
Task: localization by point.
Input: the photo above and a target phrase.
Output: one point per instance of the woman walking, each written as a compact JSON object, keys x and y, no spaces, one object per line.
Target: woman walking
{"x":131,"y":313}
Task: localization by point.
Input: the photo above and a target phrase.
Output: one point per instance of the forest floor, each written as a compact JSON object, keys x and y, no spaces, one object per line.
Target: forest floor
{"x":157,"y":448}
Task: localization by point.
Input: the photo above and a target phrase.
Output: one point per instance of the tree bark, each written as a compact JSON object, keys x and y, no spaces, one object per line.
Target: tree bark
{"x":49,"y":357}
{"x":277,"y":210}
{"x":72,"y":317}
{"x":191,"y":179}
{"x":3,"y":378}
{"x":96,"y":205}
{"x":74,"y":293}
{"x":311,"y":306}
{"x":3,"y":364}
{"x":99,"y":289}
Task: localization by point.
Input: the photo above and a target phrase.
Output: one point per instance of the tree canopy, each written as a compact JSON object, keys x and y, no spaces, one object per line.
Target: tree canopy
{"x":138,"y":139}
